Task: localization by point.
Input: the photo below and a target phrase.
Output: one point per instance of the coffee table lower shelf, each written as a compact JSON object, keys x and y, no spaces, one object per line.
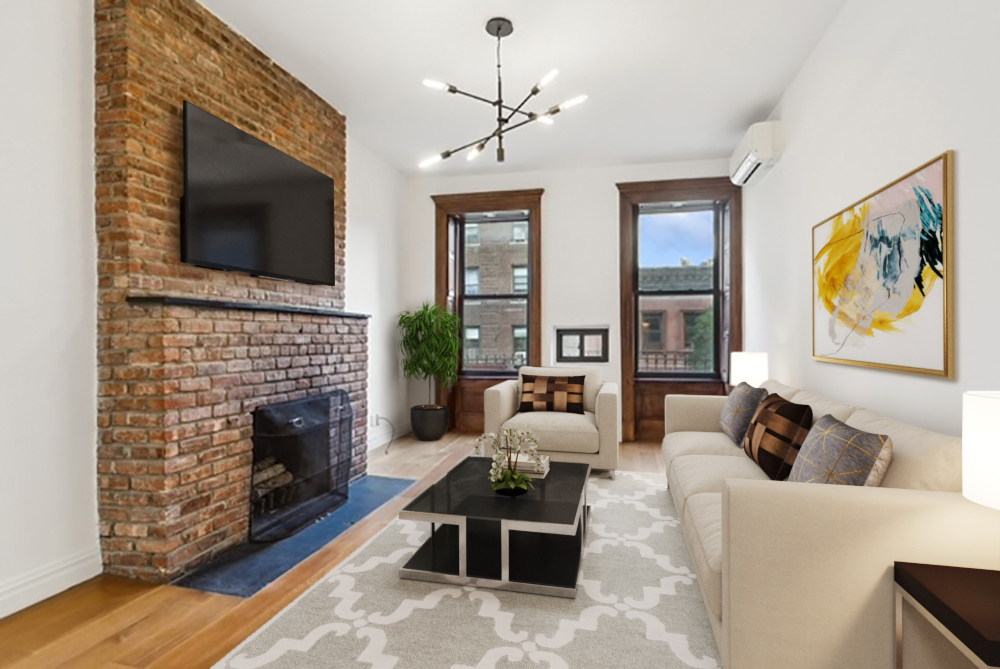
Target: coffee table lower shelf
{"x":528,"y":561}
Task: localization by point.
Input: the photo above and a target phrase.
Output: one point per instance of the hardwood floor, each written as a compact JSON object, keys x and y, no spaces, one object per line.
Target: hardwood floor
{"x":114,"y":623}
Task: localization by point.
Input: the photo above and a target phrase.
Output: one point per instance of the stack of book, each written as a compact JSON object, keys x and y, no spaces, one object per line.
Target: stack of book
{"x":528,"y":466}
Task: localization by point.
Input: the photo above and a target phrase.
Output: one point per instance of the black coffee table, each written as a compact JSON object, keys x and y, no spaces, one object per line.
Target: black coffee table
{"x":532,"y":543}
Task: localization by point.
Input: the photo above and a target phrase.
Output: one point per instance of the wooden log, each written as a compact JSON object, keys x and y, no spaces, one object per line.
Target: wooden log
{"x":268,"y":474}
{"x":264,"y":464}
{"x":272,"y":484}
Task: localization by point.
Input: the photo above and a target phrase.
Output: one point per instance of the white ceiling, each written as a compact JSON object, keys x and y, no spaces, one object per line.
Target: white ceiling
{"x":666,"y":79}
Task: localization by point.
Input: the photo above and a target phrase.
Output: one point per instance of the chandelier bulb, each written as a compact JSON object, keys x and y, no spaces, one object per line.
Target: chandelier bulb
{"x":436,"y":85}
{"x":573,"y":102}
{"x":475,"y":151}
{"x":434,"y":160}
{"x":547,"y":79}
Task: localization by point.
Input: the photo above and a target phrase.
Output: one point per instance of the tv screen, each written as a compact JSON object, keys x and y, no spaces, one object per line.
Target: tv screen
{"x":251,"y":208}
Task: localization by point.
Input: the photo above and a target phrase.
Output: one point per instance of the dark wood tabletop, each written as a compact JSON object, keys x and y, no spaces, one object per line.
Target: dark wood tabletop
{"x":966,"y":601}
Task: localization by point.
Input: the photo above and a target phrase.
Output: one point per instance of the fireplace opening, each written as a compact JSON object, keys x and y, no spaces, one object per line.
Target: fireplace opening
{"x":301,"y":463}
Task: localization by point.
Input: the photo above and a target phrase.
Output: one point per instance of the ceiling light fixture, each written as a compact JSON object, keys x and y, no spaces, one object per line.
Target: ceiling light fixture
{"x":500,"y":28}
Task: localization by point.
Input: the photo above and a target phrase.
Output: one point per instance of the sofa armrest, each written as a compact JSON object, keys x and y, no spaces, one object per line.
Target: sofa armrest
{"x":499,"y":405}
{"x":692,"y":413}
{"x":606,"y":416}
{"x":807,"y":569}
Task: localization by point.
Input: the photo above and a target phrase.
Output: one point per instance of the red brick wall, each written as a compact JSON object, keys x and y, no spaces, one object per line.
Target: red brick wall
{"x":178,"y":384}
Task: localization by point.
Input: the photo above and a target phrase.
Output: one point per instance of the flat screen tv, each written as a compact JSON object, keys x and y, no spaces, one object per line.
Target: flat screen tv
{"x":249,"y":207}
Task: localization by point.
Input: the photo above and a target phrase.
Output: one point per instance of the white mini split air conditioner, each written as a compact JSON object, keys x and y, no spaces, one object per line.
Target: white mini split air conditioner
{"x":756,"y":153}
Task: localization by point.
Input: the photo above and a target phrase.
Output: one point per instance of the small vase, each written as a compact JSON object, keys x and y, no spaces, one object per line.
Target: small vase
{"x":510,"y":492}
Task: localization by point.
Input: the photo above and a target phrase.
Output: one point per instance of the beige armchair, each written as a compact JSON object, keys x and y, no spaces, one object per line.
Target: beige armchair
{"x":565,"y":437}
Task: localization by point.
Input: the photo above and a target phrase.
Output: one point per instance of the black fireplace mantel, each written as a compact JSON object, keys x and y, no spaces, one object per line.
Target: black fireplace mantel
{"x":172,"y":300}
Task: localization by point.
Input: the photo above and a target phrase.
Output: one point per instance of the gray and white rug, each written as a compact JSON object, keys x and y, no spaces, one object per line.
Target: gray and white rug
{"x":638,"y":604}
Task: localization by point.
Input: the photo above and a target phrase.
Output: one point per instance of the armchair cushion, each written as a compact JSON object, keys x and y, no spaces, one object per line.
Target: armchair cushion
{"x":559,"y":431}
{"x":591,"y":384}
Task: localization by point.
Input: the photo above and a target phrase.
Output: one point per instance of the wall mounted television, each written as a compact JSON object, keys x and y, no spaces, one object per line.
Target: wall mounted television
{"x":248,"y":207}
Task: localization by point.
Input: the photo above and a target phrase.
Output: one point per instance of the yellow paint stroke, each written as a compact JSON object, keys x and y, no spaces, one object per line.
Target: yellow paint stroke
{"x":841,"y":254}
{"x":916,"y":297}
{"x":838,"y":261}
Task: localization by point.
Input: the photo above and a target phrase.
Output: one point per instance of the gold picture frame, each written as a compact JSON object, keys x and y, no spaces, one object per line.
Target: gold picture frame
{"x":867,"y":254}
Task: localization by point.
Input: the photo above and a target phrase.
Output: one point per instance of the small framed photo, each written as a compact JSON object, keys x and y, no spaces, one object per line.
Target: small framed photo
{"x":581,"y":344}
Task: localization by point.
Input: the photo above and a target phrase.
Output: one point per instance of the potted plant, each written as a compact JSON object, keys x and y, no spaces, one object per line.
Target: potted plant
{"x":430,"y":342}
{"x":508,"y":448}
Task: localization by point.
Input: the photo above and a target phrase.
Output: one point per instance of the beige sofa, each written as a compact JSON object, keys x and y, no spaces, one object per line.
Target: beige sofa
{"x":591,"y":438}
{"x":800,"y":574}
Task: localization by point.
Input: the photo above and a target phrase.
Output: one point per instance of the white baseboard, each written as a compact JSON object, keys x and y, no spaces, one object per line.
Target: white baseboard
{"x":380,"y":436}
{"x":23,"y":591}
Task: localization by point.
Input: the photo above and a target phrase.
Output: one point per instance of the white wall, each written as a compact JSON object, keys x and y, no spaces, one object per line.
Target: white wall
{"x":48,"y":268}
{"x":580,"y":272}
{"x":891,"y":85}
{"x":374,"y":282}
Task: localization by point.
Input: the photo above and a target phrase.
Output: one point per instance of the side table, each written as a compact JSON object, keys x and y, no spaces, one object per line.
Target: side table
{"x":963,"y":604}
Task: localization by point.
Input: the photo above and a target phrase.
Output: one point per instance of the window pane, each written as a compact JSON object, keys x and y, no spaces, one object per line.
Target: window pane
{"x":499,"y":324}
{"x":676,"y":334}
{"x":571,"y":346}
{"x":472,"y":281}
{"x":676,"y":248}
{"x":593,"y":346}
{"x":520,"y":284}
{"x":489,"y":250}
{"x":519,"y":233}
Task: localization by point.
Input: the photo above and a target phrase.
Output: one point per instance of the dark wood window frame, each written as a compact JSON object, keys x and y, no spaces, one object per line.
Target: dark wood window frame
{"x":642,"y":395}
{"x":465,"y":400}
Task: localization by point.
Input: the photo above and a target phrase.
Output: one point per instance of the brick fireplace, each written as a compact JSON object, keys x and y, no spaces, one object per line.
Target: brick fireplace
{"x":186,"y":354}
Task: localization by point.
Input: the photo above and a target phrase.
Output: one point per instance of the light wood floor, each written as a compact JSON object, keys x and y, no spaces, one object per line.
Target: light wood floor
{"x":114,"y":623}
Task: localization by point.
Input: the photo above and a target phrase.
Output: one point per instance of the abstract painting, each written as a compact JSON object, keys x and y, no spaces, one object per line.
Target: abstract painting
{"x":882,"y":277}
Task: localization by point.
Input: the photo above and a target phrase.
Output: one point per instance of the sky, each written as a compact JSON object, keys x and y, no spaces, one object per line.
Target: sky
{"x":665,"y":238}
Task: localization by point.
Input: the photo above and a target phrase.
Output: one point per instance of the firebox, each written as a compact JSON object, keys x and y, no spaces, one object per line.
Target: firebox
{"x":301,"y":463}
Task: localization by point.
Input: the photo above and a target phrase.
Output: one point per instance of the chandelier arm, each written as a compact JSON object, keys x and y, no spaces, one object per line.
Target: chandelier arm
{"x":518,"y":109}
{"x":491,"y":103}
{"x":483,"y":140}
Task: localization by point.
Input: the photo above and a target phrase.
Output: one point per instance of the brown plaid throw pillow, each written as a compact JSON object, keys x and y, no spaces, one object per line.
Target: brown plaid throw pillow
{"x":776,"y":433}
{"x":552,"y":393}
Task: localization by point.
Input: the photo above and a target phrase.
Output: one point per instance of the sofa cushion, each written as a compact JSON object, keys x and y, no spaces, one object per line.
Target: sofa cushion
{"x":677,"y":444}
{"x":778,"y":388}
{"x":591,"y":384}
{"x":822,"y":406}
{"x":842,"y":455}
{"x":921,"y":460}
{"x":693,"y":474}
{"x":551,"y":393}
{"x":738,"y":410}
{"x":703,"y":532}
{"x":558,"y":431}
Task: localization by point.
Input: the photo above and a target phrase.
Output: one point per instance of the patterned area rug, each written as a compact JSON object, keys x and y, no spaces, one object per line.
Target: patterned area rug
{"x":638,"y":604}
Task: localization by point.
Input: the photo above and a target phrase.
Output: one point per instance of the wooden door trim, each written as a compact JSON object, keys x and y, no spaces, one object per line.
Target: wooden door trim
{"x":630,"y":196}
{"x":452,"y":204}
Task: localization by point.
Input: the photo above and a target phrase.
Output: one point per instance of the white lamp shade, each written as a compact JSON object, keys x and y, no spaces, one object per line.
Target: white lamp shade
{"x":749,"y":367}
{"x":981,"y":447}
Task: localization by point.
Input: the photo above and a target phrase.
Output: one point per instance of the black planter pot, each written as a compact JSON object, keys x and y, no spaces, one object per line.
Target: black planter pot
{"x":429,"y":423}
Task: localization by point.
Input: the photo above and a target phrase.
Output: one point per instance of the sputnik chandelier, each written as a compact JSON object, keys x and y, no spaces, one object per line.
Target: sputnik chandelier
{"x":508,"y":118}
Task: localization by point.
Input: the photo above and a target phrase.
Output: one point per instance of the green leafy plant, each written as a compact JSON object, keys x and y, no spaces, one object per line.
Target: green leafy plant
{"x":430,"y":342}
{"x":508,"y":446}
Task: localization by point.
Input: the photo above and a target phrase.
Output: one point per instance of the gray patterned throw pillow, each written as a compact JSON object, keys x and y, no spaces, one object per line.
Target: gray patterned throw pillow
{"x":837,"y":453}
{"x":739,"y":408}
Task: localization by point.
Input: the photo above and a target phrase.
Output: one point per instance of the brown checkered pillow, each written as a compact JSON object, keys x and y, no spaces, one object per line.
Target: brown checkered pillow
{"x":776,"y":433}
{"x":552,"y":393}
